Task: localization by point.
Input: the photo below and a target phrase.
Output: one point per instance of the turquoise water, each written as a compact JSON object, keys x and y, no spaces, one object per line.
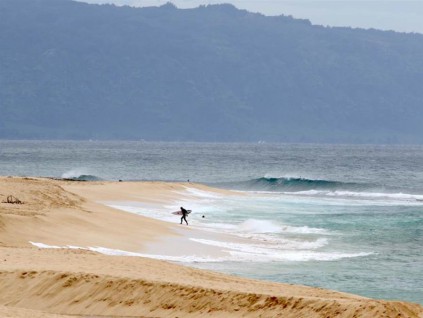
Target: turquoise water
{"x":343,"y":217}
{"x":373,"y":249}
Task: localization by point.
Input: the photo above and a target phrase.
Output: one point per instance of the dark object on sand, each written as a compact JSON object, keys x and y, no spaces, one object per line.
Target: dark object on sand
{"x":13,"y":200}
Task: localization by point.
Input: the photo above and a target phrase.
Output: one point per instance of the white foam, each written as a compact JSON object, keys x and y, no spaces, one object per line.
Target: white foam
{"x":262,"y":253}
{"x":41,"y":245}
{"x":304,"y":230}
{"x":303,"y":256}
{"x":351,"y":198}
{"x":75,"y":173}
{"x":181,"y":258}
{"x":267,"y":246}
{"x":255,"y":226}
{"x":236,"y":253}
{"x":286,"y":243}
{"x":259,"y":226}
{"x":291,"y":176}
{"x":361,"y":195}
{"x":267,"y":231}
{"x":116,"y":252}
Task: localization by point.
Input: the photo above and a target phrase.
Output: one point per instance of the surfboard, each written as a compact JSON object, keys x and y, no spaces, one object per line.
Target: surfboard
{"x":180,"y":212}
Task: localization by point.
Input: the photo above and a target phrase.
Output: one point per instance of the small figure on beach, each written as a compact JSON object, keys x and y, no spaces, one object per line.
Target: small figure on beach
{"x":184,"y":215}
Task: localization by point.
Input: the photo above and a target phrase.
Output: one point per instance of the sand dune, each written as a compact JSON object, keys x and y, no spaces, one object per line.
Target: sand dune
{"x":54,"y":216}
{"x":13,"y":312}
{"x":47,"y":282}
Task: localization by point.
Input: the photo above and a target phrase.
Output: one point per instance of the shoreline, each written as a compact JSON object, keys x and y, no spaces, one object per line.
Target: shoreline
{"x":81,"y":282}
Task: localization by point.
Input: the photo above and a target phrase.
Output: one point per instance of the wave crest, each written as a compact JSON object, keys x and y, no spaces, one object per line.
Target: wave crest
{"x":79,"y":175}
{"x":297,"y":184}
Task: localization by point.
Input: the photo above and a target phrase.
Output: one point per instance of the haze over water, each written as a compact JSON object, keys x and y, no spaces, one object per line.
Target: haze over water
{"x":343,"y":217}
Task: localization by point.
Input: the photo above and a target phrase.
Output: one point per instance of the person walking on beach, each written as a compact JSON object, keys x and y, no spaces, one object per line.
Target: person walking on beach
{"x":184,"y":215}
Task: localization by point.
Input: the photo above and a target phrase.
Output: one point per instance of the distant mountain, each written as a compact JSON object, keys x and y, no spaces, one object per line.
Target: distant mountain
{"x":71,"y":70}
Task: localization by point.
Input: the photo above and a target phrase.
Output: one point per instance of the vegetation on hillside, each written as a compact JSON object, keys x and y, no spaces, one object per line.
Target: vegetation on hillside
{"x":71,"y":70}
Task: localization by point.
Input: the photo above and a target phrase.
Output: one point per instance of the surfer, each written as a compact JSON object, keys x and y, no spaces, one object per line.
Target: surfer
{"x":184,"y":215}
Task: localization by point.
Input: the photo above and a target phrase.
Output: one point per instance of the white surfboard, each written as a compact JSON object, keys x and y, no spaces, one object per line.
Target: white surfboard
{"x":180,"y":212}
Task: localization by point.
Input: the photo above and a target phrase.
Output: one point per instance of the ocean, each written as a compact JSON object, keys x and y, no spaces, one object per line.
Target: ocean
{"x":343,"y":217}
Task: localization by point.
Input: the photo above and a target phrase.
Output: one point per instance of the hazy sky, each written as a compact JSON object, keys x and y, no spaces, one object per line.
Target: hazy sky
{"x":403,"y":16}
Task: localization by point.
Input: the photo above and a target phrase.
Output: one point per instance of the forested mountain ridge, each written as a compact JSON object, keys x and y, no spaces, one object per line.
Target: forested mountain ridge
{"x":71,"y":70}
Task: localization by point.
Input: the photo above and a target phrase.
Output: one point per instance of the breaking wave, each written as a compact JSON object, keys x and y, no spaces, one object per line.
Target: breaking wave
{"x":297,"y":184}
{"x":79,"y":175}
{"x":326,"y":188}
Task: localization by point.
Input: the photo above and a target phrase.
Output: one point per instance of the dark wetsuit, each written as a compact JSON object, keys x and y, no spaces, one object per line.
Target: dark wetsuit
{"x":184,"y":215}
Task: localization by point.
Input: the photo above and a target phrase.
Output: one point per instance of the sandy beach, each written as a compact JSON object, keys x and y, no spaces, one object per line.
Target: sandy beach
{"x":61,"y":282}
